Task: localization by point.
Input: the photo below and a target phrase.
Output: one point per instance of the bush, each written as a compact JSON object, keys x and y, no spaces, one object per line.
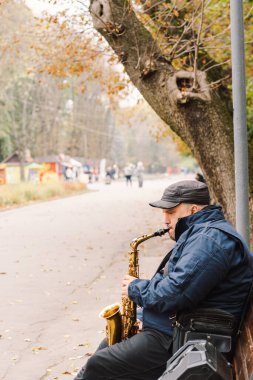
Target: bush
{"x":20,"y":194}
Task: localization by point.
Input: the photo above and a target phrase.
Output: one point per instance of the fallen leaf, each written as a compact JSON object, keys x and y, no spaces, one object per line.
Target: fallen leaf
{"x":39,"y":348}
{"x":76,"y":357}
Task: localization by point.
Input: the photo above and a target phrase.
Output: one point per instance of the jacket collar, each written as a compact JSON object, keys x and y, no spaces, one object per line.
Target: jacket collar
{"x":207,"y":214}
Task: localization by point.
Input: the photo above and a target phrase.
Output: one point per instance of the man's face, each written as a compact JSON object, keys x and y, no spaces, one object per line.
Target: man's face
{"x":172,"y":215}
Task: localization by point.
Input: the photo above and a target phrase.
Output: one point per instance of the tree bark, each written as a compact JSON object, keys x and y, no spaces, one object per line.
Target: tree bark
{"x":202,"y":118}
{"x":250,"y":151}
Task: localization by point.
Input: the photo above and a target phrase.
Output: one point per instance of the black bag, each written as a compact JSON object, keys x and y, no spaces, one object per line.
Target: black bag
{"x":213,"y":325}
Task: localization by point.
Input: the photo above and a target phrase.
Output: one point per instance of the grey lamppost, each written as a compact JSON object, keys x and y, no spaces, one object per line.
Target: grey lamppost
{"x":240,"y":125}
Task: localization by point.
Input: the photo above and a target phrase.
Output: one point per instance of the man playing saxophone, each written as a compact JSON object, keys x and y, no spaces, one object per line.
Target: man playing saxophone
{"x":210,"y":266}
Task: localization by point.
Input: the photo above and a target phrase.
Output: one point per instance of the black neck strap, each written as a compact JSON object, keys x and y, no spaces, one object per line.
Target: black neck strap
{"x":164,"y":261}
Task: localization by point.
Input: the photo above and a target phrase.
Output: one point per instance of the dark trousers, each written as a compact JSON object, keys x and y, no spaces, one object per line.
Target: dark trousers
{"x":144,"y":356}
{"x":128,"y":179}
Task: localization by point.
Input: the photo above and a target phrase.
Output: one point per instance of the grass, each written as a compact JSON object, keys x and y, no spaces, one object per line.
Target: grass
{"x":21,"y":194}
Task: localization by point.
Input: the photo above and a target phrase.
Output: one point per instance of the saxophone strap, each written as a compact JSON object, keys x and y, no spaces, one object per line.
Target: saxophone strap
{"x":164,"y":262}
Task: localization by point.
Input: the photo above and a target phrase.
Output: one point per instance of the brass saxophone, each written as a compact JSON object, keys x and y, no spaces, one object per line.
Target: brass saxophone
{"x":121,"y":326}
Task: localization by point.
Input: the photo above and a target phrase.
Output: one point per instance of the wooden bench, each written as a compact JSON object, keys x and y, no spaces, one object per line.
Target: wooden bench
{"x":243,"y":360}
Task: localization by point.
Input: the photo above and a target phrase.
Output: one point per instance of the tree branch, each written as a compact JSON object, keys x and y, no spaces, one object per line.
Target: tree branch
{"x":195,"y":66}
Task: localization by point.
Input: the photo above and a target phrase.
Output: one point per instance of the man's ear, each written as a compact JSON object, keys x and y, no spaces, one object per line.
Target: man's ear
{"x":194,"y":208}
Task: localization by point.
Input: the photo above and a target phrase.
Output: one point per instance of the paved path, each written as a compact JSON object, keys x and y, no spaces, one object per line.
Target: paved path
{"x":61,"y":262}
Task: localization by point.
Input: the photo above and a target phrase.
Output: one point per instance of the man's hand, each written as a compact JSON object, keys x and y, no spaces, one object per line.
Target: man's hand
{"x":139,"y":324}
{"x":125,"y":283}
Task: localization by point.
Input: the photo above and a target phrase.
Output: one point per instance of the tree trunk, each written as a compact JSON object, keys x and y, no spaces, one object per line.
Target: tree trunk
{"x":202,"y":118}
{"x":21,"y":156}
{"x":250,"y":150}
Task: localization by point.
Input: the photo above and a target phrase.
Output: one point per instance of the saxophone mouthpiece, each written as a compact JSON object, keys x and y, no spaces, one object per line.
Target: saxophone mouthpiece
{"x":161,"y":232}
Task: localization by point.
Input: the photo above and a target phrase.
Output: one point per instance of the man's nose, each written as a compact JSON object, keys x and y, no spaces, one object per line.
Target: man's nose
{"x":166,"y":219}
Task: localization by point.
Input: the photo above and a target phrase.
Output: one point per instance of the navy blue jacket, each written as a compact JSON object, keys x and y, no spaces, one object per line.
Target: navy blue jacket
{"x":210,"y":266}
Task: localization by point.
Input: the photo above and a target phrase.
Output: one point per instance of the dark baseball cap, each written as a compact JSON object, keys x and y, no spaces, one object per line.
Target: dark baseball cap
{"x":188,"y":191}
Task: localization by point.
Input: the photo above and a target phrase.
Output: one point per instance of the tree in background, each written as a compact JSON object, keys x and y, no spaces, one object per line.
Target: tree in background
{"x":177,"y":53}
{"x":4,"y":145}
{"x":51,"y":100}
{"x":60,"y":93}
{"x":140,"y":128}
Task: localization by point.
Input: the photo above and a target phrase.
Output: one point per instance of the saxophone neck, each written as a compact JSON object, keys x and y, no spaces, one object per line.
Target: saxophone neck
{"x":134,"y":244}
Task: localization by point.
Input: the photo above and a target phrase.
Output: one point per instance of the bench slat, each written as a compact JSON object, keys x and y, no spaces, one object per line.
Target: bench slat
{"x":243,"y":360}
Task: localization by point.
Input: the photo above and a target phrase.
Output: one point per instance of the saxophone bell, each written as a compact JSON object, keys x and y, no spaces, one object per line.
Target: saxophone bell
{"x":114,"y":323}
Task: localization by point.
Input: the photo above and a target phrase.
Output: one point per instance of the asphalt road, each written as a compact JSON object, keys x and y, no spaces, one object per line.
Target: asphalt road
{"x":61,"y":262}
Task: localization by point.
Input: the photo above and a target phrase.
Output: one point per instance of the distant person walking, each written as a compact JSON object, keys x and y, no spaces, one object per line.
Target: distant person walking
{"x":139,"y":171}
{"x":108,"y":176}
{"x":128,"y":172}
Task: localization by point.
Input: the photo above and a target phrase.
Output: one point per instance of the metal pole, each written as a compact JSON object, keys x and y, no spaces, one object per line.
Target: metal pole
{"x":240,"y":125}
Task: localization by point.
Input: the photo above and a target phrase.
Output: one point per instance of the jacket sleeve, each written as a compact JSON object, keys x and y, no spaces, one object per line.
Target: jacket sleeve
{"x":202,"y":265}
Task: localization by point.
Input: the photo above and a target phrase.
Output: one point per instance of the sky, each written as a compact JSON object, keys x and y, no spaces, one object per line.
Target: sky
{"x":40,"y":6}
